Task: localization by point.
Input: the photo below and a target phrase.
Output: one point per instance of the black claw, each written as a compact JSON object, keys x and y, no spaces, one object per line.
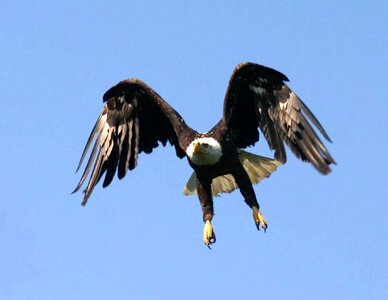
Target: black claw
{"x":211,"y":242}
{"x":258,"y":227}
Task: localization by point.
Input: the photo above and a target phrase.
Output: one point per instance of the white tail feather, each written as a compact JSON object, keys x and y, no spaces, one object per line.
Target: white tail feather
{"x":257,"y":167}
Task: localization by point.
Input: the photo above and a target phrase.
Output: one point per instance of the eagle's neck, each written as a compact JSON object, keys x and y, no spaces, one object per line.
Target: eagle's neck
{"x":204,"y":151}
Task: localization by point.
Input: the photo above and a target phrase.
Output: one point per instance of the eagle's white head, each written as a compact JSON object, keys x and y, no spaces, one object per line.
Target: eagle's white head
{"x":204,"y":151}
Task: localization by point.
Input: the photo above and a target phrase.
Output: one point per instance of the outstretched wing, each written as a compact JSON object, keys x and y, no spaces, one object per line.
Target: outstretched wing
{"x":258,"y":97}
{"x":134,"y":119}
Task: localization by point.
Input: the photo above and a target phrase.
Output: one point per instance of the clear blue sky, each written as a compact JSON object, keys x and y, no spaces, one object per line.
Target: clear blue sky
{"x":141,"y":238}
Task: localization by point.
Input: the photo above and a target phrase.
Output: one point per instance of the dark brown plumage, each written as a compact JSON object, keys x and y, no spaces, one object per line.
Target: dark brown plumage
{"x":136,"y":119}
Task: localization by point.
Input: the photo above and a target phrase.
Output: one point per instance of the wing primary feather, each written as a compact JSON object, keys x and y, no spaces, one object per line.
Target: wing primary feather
{"x":303,"y":111}
{"x":305,"y":143}
{"x":111,"y":162}
{"x":311,"y":150}
{"x":88,"y":166}
{"x":130,"y":136}
{"x":96,"y":129}
{"x":314,"y":156}
{"x":137,"y":139}
{"x":317,"y":141}
{"x":135,"y":145}
{"x":313,"y":119}
{"x":93,"y":178}
{"x":124,"y":144}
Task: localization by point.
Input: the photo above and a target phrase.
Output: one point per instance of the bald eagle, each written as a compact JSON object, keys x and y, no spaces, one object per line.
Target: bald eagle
{"x":136,"y":119}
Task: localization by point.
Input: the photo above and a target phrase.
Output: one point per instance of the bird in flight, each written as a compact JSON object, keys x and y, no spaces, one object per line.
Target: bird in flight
{"x":136,"y":119}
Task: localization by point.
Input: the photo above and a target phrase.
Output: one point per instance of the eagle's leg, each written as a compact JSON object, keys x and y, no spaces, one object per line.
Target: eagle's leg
{"x":259,"y":219}
{"x":246,"y":189}
{"x":206,"y":201}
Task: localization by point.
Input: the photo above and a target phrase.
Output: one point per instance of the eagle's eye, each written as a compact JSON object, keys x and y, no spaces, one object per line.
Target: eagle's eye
{"x":205,"y":145}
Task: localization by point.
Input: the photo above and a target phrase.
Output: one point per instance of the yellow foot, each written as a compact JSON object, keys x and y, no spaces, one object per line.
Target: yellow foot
{"x":259,"y":219}
{"x":209,"y":237}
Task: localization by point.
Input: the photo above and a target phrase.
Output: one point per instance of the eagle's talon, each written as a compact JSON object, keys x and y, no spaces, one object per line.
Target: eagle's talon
{"x":209,"y":236}
{"x":259,"y":219}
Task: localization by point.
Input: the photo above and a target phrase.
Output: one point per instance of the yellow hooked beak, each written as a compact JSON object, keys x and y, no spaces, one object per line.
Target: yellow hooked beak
{"x":198,"y":148}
